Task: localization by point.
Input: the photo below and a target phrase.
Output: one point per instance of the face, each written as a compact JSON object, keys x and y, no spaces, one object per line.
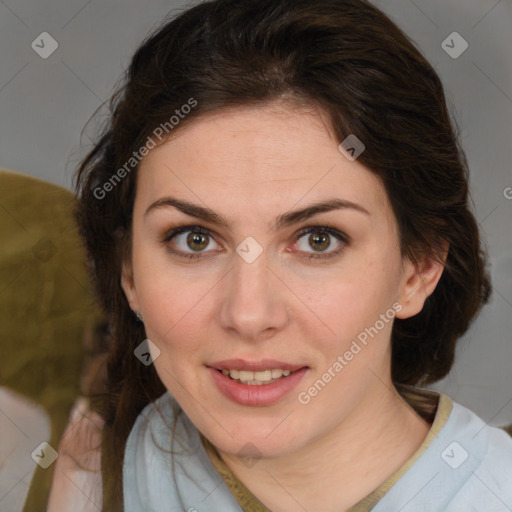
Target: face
{"x":261,"y":250}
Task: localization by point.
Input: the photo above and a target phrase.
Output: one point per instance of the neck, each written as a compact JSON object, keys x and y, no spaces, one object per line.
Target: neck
{"x":347,"y":464}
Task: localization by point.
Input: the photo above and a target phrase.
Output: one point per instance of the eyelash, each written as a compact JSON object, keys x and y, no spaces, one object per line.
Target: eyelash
{"x":342,"y":237}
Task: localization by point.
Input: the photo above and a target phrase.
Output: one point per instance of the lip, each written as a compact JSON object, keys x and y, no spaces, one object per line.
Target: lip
{"x":255,"y":395}
{"x":255,"y":366}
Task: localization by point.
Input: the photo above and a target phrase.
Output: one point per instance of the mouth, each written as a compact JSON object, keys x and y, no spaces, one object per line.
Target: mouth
{"x":256,"y":383}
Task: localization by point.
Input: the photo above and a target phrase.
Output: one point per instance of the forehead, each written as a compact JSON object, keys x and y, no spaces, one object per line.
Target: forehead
{"x":256,"y":158}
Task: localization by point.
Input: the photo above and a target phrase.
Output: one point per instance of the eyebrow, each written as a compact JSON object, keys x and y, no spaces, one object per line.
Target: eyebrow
{"x":283,"y":220}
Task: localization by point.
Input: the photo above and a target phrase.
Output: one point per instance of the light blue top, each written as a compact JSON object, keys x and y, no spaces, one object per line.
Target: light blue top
{"x":466,"y":468}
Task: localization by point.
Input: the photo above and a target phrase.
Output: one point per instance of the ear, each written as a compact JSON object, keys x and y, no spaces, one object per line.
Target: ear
{"x":128,"y":286}
{"x":419,"y":281}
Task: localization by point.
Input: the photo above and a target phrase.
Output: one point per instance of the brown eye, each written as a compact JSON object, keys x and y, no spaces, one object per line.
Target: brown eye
{"x":197,"y":241}
{"x":320,"y":239}
{"x":189,"y":241}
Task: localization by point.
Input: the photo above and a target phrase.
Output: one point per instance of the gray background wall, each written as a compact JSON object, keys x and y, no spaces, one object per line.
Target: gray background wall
{"x":45,"y":103}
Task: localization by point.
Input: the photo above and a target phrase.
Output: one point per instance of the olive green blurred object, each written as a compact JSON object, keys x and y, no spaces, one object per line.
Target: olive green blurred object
{"x":46,"y":304}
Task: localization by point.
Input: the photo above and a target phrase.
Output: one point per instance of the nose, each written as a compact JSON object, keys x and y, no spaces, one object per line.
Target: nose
{"x":254,"y":301}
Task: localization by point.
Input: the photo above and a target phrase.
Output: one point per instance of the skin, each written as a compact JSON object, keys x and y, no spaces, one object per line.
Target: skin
{"x":251,"y":165}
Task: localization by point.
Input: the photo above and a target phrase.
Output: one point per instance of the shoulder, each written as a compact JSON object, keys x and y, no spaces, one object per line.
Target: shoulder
{"x":166,"y":467}
{"x":490,"y":444}
{"x":467,"y":467}
{"x":151,"y":437}
{"x":474,"y":462}
{"x":488,"y":452}
{"x":145,"y":465}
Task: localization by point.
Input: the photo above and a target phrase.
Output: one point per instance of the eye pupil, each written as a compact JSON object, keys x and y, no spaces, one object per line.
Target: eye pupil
{"x":322,"y":239}
{"x":195,"y":238}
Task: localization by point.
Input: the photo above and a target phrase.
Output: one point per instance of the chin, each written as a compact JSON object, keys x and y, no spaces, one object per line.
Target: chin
{"x":260,"y":440}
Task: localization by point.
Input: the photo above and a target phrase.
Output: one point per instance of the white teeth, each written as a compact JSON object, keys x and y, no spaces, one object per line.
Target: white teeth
{"x":257,"y":378}
{"x":244,"y":375}
{"x":263,"y":376}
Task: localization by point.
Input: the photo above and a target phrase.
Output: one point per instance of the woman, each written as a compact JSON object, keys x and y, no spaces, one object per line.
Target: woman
{"x":278,"y":227}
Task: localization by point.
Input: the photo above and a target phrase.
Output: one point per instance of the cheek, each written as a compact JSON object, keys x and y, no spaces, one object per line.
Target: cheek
{"x":347,"y":361}
{"x":355,"y":297}
{"x":356,"y":306}
{"x":175,"y":317}
{"x":175,"y":303}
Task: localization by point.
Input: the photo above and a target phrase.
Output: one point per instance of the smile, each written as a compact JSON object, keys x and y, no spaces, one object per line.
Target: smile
{"x":259,"y":383}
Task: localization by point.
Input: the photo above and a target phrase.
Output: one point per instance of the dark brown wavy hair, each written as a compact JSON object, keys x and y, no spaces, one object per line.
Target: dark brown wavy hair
{"x":352,"y":61}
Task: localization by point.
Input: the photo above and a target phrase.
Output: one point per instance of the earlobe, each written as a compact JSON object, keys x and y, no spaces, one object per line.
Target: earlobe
{"x":420,"y":281}
{"x":128,"y":286}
